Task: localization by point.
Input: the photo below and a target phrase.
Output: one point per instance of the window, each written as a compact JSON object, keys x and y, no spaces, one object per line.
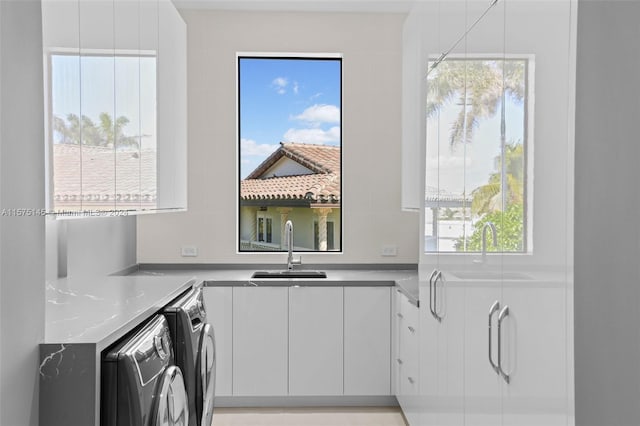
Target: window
{"x":290,"y":156}
{"x":477,"y":162}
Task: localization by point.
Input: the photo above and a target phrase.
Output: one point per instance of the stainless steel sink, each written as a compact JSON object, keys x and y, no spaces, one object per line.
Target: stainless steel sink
{"x":289,"y":274}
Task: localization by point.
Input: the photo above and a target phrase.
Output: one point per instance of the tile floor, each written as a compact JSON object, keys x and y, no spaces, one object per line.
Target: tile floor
{"x":312,"y":416}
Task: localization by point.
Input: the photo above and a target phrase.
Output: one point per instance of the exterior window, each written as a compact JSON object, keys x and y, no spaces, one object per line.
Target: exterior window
{"x":477,"y":162}
{"x":102,"y":126}
{"x":290,"y":152}
{"x":265,"y":226}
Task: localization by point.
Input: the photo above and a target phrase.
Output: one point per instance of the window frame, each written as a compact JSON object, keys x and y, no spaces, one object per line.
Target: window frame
{"x":286,"y":56}
{"x":528,"y":148}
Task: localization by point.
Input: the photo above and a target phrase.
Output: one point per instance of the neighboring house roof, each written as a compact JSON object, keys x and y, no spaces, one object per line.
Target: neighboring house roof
{"x":101,"y":175}
{"x":441,"y":198}
{"x":320,"y":185}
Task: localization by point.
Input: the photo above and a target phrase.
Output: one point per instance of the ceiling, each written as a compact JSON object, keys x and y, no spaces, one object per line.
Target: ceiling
{"x":361,"y":6}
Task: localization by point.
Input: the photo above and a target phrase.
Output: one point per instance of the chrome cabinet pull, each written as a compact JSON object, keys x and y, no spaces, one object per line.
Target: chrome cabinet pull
{"x":410,"y":380}
{"x":434,"y":301}
{"x":504,"y":313}
{"x":399,"y":361}
{"x":492,"y":310}
{"x":433,"y":274}
{"x":399,"y":315}
{"x":411,"y":329}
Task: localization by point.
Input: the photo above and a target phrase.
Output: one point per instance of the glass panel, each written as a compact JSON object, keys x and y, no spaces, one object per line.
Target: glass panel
{"x":297,"y":101}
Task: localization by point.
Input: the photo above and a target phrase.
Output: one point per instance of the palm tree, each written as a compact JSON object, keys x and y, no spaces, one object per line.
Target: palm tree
{"x":488,"y":198}
{"x":82,"y":129}
{"x":112,"y":132}
{"x":476,"y":84}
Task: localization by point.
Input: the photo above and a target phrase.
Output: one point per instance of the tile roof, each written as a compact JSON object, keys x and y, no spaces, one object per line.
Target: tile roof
{"x":88,"y":175}
{"x":323,"y":185}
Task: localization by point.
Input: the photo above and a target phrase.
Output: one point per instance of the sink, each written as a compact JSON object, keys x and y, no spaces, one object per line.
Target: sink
{"x":490,"y":275}
{"x":289,"y":274}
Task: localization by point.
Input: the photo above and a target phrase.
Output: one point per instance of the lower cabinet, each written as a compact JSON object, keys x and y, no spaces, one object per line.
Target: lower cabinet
{"x":219,"y":304}
{"x":301,"y":340}
{"x":315,"y":341}
{"x":497,"y":354}
{"x":260,"y":340}
{"x":407,"y":357}
{"x":367,"y":336}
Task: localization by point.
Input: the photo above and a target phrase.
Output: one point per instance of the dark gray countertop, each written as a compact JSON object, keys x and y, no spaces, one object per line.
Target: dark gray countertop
{"x":406,"y":280}
{"x":100,"y":310}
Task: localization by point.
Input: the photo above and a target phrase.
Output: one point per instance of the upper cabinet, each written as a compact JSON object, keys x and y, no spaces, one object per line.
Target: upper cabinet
{"x":115,"y":93}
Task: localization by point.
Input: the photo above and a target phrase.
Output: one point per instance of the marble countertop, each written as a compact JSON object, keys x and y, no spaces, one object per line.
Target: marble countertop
{"x":406,"y":280}
{"x":100,"y":310}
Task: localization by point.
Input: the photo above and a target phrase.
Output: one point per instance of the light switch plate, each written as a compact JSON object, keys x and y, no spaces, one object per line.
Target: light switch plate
{"x":189,"y":251}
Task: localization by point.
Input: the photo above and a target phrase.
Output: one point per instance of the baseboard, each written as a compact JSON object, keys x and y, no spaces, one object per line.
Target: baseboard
{"x":306,"y":401}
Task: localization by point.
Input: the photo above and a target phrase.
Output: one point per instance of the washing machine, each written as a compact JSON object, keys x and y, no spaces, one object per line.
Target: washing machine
{"x":194,"y":343}
{"x":141,"y":385}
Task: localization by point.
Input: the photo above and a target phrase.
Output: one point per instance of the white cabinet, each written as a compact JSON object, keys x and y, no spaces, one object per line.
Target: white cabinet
{"x":302,"y":340}
{"x":315,"y":340}
{"x":367,"y":336}
{"x":116,"y":105}
{"x":260,"y":358}
{"x":535,"y":354}
{"x":219,"y":303}
{"x":407,"y":357}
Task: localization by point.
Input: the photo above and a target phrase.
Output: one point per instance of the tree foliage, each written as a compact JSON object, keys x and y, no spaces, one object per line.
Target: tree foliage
{"x":479,"y":85}
{"x":107,"y":133}
{"x":509,"y":225}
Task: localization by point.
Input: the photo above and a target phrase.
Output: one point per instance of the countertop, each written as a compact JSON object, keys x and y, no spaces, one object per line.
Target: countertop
{"x":100,"y":310}
{"x":406,"y":280}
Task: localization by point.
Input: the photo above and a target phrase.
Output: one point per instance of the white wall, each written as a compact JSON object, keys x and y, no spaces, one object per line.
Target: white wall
{"x":607,"y":249}
{"x":371,"y":45}
{"x":21,"y":186}
{"x":95,"y":246}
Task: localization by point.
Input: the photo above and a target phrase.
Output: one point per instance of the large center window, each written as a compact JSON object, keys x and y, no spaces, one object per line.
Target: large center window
{"x":290,"y":152}
{"x":478,"y":140}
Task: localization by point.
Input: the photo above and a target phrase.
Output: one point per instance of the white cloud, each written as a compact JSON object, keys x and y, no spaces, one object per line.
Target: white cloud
{"x":315,"y":136}
{"x":320,"y":113}
{"x":296,"y":87}
{"x":251,"y":147}
{"x":280,"y":85}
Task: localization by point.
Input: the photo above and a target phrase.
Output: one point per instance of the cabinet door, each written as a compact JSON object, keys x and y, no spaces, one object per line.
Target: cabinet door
{"x":219,"y":303}
{"x":367,"y":335}
{"x":483,"y":386}
{"x":450,"y":352}
{"x":315,"y":340}
{"x":260,"y":341}
{"x":534,"y":355}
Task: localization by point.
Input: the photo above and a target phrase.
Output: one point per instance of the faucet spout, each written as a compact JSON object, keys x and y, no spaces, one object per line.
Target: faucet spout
{"x":494,"y":238}
{"x":288,"y":235}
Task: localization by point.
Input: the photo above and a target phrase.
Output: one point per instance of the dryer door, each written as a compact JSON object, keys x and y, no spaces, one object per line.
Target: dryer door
{"x":171,"y":407}
{"x":207,"y":375}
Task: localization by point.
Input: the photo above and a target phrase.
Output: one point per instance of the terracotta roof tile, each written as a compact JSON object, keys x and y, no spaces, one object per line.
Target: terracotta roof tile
{"x":321,"y":186}
{"x":89,"y":175}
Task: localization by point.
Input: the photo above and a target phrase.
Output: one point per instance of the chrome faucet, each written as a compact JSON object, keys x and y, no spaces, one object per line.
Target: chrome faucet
{"x":288,"y":235}
{"x":494,"y":235}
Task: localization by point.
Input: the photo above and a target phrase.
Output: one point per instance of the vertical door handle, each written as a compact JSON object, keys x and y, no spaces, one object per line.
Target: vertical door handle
{"x":434,"y":312}
{"x":492,"y":310}
{"x":503,"y":313}
{"x":433,"y":274}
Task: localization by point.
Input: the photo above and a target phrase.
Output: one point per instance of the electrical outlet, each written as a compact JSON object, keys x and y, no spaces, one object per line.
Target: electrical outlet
{"x":389,"y":250}
{"x":189,"y":251}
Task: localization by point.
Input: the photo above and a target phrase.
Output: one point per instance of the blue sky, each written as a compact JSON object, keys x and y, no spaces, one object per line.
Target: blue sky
{"x":290,"y":100}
